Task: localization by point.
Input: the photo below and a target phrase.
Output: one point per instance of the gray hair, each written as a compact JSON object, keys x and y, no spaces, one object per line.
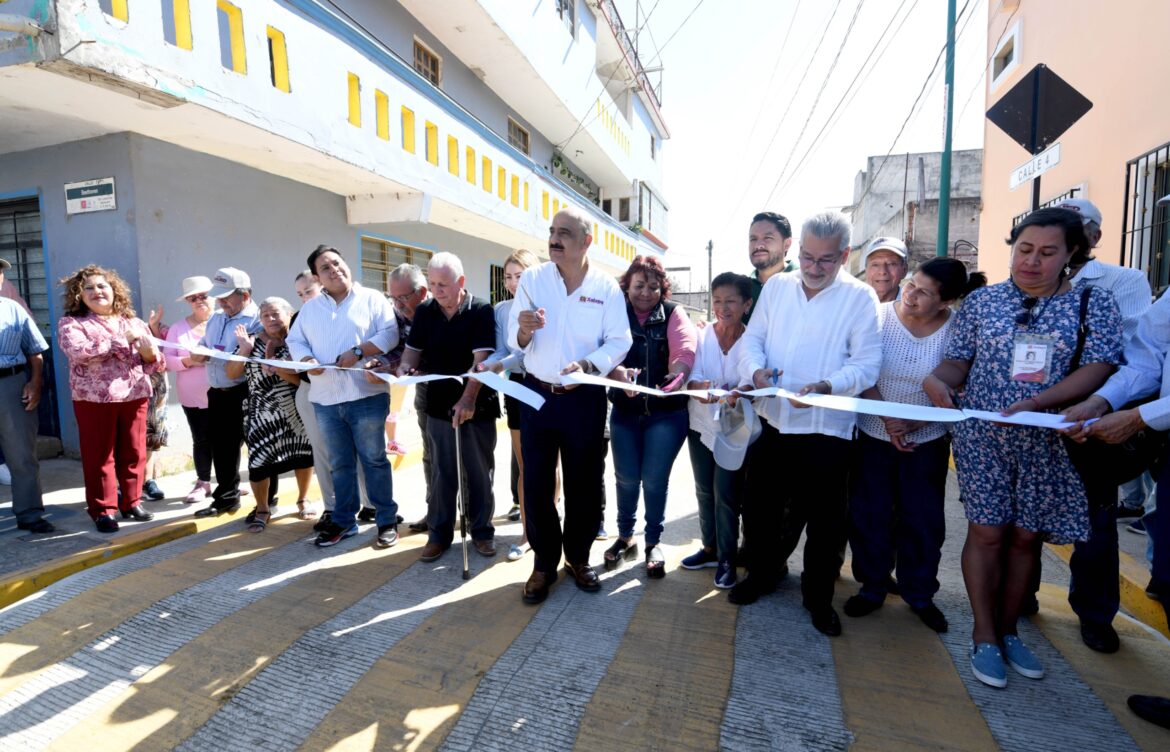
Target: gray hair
{"x":303,"y":274}
{"x":411,"y":273}
{"x":828,"y":224}
{"x":580,"y":216}
{"x":279,"y":304}
{"x":446,"y":262}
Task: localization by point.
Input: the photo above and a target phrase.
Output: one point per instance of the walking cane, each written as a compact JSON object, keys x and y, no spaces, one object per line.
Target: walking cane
{"x":461,"y":497}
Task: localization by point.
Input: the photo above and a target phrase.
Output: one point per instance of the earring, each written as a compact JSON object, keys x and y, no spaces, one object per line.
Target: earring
{"x":1067,"y":269}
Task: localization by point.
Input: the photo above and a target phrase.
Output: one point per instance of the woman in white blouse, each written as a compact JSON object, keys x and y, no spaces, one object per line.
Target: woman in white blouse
{"x":896,"y":508}
{"x":718,"y":489}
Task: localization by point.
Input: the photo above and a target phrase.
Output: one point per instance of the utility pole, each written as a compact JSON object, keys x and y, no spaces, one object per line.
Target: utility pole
{"x":710,"y":247}
{"x":944,"y":178}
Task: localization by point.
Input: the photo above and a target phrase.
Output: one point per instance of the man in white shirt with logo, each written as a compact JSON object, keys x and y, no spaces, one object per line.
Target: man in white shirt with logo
{"x":345,"y":326}
{"x":815,"y":330}
{"x":568,"y":317}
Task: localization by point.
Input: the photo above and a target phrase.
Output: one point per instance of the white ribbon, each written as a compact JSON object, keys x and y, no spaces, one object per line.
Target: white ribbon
{"x":847,"y":404}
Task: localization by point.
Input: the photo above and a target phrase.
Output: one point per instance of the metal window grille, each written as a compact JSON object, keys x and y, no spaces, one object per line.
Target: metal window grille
{"x":380,"y":257}
{"x":499,"y":290}
{"x":426,"y":63}
{"x":518,"y":136}
{"x":1145,"y":228}
{"x":567,"y":10}
{"x":1077,"y":192}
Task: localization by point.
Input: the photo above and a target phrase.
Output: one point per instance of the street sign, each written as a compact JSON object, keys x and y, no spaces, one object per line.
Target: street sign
{"x":1039,"y":109}
{"x":1036,"y":166}
{"x":90,"y":196}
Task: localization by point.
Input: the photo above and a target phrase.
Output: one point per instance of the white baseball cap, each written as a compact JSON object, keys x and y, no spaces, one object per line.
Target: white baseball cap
{"x":893,"y":245}
{"x":227,"y":280}
{"x":739,"y":427}
{"x":1088,"y":211}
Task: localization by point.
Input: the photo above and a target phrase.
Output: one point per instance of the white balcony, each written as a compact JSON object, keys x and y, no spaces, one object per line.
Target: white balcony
{"x":355,"y":119}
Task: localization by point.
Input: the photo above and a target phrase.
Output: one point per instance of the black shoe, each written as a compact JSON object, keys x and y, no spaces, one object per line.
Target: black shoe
{"x":106,"y":524}
{"x":325,"y":521}
{"x":215,"y":511}
{"x":932,"y":617}
{"x":858,"y":605}
{"x":136,"y":512}
{"x":1124,"y":512}
{"x":1031,"y":607}
{"x":514,"y":513}
{"x":152,"y":492}
{"x":367,"y":514}
{"x":1100,"y":637}
{"x":418,"y":527}
{"x":387,"y":536}
{"x":1150,"y":708}
{"x":749,"y":589}
{"x":36,"y":526}
{"x":825,"y":620}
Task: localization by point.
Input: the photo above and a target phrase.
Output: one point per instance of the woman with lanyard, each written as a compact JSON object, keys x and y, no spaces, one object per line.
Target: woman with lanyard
{"x":1017,"y":483}
{"x":717,"y":489}
{"x":896,"y":507}
{"x":647,"y":432}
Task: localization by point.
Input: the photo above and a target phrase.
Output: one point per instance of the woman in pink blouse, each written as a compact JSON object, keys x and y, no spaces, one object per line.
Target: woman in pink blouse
{"x":111,"y":358}
{"x":191,"y":379}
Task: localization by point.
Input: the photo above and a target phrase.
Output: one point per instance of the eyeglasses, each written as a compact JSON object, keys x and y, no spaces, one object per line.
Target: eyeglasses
{"x":824,"y":263}
{"x":196,"y":298}
{"x":1025,"y":318}
{"x":403,"y":299}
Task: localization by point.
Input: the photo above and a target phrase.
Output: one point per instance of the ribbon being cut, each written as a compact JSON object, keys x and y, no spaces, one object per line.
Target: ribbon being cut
{"x":487,"y":378}
{"x":848,"y":404}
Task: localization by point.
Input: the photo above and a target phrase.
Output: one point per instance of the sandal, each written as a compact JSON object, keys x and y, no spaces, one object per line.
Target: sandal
{"x":306,"y":510}
{"x":259,"y":521}
{"x":655,"y":562}
{"x":618,"y":551}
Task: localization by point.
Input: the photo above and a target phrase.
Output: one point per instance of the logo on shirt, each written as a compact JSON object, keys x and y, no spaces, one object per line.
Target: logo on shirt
{"x":587,"y":299}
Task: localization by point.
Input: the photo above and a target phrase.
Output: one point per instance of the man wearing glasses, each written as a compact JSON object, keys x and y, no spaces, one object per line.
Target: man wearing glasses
{"x":816,"y":331}
{"x":232,"y":288}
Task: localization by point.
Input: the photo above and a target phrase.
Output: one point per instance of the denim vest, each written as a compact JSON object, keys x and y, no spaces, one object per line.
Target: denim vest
{"x":651,"y":353}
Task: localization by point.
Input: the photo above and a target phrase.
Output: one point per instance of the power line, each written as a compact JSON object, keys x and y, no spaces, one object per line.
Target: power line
{"x":850,"y":91}
{"x":662,"y":49}
{"x":817,"y":99}
{"x":771,"y":78}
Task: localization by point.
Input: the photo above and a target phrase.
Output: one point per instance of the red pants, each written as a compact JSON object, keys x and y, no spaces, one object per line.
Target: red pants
{"x":113,"y":453}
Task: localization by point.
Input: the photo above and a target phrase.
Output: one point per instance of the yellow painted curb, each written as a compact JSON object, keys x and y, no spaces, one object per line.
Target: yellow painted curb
{"x":1133,"y":589}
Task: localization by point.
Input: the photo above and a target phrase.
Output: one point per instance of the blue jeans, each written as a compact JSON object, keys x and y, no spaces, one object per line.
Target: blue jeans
{"x":355,"y":431}
{"x":644,"y":448}
{"x":719,"y":493}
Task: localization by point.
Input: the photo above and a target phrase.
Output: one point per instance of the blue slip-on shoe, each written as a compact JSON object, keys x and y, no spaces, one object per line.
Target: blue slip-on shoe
{"x":725,"y":578}
{"x":1020,"y":658}
{"x":987,"y":664}
{"x":700,"y":560}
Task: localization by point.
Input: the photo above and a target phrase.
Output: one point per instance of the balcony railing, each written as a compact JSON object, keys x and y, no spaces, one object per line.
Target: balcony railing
{"x":614,"y":19}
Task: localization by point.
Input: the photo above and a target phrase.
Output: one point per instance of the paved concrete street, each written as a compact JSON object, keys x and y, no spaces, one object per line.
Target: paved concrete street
{"x":224,"y":640}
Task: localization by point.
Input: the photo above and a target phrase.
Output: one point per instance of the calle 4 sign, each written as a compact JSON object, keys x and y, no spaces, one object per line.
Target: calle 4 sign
{"x":1036,"y":166}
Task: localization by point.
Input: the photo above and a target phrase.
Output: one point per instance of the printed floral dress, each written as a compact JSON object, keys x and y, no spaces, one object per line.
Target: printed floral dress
{"x":1020,"y":475}
{"x":273,"y":429}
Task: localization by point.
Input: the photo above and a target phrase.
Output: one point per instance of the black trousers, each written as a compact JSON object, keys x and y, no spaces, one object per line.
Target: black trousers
{"x":200,"y":423}
{"x":225,"y":412}
{"x":571,"y":426}
{"x":779,"y":506}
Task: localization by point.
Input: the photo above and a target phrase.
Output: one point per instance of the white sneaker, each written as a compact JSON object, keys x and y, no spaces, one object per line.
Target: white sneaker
{"x":5,"y":476}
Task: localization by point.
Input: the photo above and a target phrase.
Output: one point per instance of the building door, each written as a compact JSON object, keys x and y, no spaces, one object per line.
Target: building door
{"x":21,"y":245}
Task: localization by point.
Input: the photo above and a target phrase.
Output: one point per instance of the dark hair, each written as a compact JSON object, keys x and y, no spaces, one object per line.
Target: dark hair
{"x":648,"y":266}
{"x":317,"y":253}
{"x":741,"y":283}
{"x":73,"y":284}
{"x":1068,"y":220}
{"x":779,"y":220}
{"x":953,"y":280}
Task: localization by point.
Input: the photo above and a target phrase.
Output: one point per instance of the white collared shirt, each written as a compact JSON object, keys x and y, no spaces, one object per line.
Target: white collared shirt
{"x":325,"y":330}
{"x":722,"y":371}
{"x":588,"y":324}
{"x":1130,"y":288}
{"x":832,"y":337}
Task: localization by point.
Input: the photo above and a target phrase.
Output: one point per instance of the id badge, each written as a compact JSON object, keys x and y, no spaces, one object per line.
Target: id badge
{"x":1032,"y":357}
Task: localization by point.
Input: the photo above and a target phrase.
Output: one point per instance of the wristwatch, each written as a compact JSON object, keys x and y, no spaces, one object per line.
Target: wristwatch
{"x":357,"y":351}
{"x":588,"y":367}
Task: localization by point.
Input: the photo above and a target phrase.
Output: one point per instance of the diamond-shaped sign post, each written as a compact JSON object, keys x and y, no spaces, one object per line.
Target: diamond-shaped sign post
{"x":1037,"y":111}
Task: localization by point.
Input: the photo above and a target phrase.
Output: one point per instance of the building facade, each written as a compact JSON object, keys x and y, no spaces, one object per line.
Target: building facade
{"x":168,"y":139}
{"x":896,"y":196}
{"x":1117,"y":155}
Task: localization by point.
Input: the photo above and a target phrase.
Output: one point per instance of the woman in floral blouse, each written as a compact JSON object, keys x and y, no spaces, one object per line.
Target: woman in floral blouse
{"x":111,"y":358}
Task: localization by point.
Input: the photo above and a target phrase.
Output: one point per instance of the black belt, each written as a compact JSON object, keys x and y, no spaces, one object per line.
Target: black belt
{"x":544,"y":386}
{"x":5,"y":372}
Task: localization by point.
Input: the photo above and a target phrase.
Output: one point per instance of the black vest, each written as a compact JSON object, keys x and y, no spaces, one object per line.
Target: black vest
{"x":651,"y":353}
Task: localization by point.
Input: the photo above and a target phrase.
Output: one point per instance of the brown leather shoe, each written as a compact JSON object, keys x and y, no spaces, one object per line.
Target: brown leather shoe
{"x":536,"y":589}
{"x":431,"y":551}
{"x":485,"y":547}
{"x":585,"y":577}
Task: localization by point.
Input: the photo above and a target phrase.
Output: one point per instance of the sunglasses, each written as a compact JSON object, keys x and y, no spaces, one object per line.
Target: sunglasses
{"x":195,"y":298}
{"x":1025,"y":317}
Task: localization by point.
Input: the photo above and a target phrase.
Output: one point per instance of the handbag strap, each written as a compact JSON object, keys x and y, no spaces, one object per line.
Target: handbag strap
{"x":1082,"y":329}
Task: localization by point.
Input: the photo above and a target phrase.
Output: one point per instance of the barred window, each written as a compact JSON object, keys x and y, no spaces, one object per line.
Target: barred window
{"x":380,"y":257}
{"x":427,"y":63}
{"x":518,"y":136}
